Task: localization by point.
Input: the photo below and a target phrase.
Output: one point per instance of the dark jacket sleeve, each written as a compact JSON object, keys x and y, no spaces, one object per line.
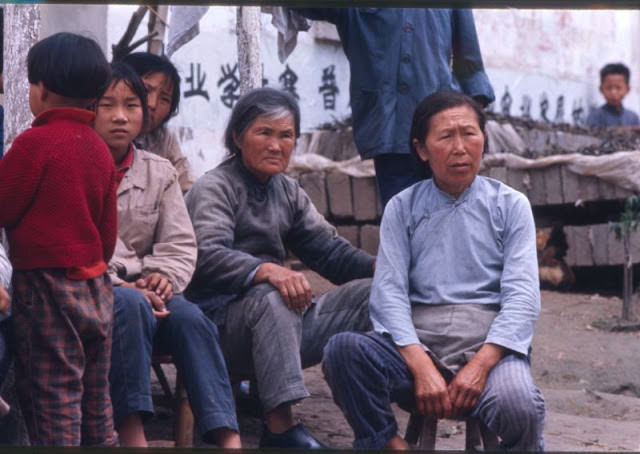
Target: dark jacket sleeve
{"x":316,"y":243}
{"x":326,"y":14}
{"x":467,"y":59}
{"x":220,"y":268}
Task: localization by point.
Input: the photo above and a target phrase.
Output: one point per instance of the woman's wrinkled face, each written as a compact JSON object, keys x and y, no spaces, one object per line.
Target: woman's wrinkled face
{"x":266,"y":145}
{"x":453,"y":147}
{"x":119,"y":117}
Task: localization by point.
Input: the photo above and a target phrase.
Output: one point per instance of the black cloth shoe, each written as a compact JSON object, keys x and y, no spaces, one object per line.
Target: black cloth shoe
{"x":297,"y":437}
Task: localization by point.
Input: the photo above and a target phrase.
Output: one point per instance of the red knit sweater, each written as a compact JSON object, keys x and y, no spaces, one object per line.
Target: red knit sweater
{"x":58,"y":193}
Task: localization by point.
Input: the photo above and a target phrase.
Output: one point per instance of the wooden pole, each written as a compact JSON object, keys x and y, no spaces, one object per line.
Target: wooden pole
{"x":158,"y":24}
{"x":249,"y":62}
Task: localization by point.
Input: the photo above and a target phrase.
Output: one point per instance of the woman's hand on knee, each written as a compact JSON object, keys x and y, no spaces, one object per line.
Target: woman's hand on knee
{"x":430,"y":387}
{"x":158,"y":307}
{"x":465,"y":388}
{"x":469,"y":382}
{"x":157,"y":283}
{"x":292,"y":285}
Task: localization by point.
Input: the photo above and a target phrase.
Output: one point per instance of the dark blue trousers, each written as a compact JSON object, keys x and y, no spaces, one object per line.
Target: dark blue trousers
{"x":395,"y":172}
{"x":190,"y":337}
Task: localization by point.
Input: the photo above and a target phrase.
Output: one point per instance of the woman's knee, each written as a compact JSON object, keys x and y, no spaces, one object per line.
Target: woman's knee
{"x":130,"y":305}
{"x":344,"y":352}
{"x":187,"y":317}
{"x":521,"y":402}
{"x":269,"y":305}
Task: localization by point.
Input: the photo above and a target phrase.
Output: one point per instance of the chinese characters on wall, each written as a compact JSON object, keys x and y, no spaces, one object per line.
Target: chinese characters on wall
{"x":578,"y":113}
{"x":228,"y":85}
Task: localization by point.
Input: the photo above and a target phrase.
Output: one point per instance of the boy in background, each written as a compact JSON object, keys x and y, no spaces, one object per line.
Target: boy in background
{"x":614,"y":86}
{"x":58,"y":199}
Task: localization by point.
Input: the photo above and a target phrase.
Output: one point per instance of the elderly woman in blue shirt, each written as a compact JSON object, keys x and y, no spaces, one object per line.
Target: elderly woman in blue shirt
{"x":454,"y":300}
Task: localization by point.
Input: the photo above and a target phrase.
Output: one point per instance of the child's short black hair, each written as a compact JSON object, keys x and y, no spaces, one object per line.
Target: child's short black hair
{"x":147,"y":63}
{"x":615,"y":68}
{"x":69,"y":65}
{"x":121,"y":72}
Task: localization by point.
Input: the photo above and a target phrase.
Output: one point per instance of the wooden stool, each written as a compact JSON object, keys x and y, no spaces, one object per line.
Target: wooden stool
{"x":183,"y":416}
{"x":421,"y":433}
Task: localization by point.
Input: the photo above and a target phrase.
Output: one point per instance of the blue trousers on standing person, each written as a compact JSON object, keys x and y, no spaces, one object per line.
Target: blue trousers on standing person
{"x":396,"y":171}
{"x":366,"y":373}
{"x":191,"y":338}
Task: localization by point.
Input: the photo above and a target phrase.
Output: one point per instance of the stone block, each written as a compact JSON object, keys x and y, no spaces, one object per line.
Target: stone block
{"x":553,"y":184}
{"x":347,"y":147}
{"x":351,"y":233}
{"x":635,"y":246}
{"x":498,"y":173}
{"x":606,"y":190}
{"x":622,"y":193}
{"x":570,"y":258}
{"x":302,"y":144}
{"x":519,"y":180}
{"x":370,"y":238}
{"x":326,"y":143}
{"x":503,"y":138}
{"x":339,"y":191}
{"x":365,"y":198}
{"x":600,"y":234}
{"x":535,"y":140}
{"x":582,"y":239}
{"x":313,"y":184}
{"x":616,"y":249}
{"x":570,"y":185}
{"x":589,"y":188}
{"x":538,"y":190}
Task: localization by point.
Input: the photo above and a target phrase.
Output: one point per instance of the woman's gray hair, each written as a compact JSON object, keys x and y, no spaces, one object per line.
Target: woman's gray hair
{"x":261,"y":102}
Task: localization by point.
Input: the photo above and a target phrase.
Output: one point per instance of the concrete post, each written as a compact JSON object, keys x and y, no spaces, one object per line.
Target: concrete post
{"x":249,"y":62}
{"x":21,"y":31}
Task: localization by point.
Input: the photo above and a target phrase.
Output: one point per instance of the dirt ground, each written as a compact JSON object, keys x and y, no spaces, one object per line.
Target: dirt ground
{"x":590,"y":380}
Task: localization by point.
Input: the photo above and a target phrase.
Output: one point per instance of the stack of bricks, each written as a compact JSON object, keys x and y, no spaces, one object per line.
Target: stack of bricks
{"x":349,"y":203}
{"x":589,"y":244}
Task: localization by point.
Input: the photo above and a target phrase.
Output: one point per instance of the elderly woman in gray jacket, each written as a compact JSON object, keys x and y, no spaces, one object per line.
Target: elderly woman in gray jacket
{"x":246,"y":215}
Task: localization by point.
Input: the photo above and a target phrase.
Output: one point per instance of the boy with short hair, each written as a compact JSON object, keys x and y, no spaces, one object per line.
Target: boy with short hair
{"x":614,"y":86}
{"x":58,"y":205}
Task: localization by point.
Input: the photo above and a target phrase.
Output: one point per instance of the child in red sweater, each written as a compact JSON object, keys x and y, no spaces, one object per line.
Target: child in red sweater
{"x":58,"y":199}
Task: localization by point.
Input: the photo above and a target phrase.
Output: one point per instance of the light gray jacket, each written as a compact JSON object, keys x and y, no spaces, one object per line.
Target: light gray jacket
{"x":154,"y":231}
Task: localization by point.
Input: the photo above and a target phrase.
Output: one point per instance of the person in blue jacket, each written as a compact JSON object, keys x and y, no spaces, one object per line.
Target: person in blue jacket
{"x":397,"y":56}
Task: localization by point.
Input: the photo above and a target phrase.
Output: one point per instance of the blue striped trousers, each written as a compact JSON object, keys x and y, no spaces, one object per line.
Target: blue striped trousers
{"x":366,"y":374}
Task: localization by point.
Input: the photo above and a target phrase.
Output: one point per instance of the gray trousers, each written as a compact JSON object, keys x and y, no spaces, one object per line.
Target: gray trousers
{"x":265,"y":341}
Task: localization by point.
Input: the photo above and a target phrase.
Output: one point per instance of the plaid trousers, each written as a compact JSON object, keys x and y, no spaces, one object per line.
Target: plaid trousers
{"x":62,"y":337}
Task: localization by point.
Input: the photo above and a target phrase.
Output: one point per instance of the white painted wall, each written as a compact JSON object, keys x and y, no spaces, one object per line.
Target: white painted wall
{"x":552,"y":53}
{"x":535,"y":53}
{"x":214,"y":49}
